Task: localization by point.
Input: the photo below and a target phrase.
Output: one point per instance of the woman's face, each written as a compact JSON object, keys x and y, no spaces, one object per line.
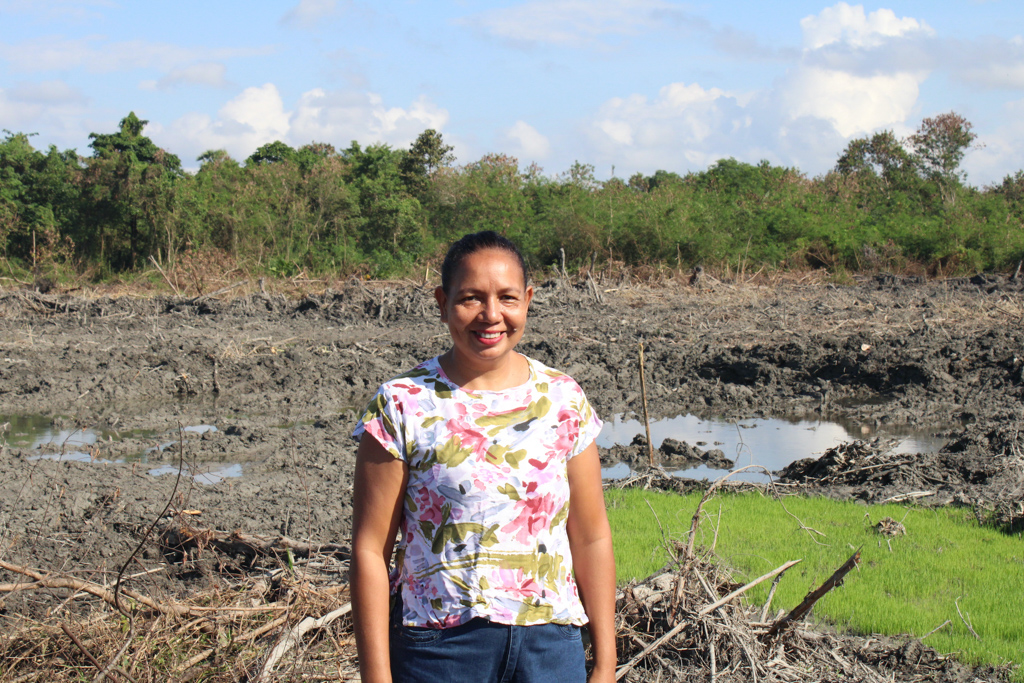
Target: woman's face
{"x":486,"y":307}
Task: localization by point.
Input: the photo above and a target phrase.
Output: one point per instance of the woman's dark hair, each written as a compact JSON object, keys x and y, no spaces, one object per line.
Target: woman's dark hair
{"x":472,"y":243}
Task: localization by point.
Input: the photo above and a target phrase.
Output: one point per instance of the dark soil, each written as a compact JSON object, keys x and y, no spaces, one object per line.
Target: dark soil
{"x":282,"y":380}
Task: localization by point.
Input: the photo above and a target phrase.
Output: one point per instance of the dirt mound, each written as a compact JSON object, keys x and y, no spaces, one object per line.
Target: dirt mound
{"x":981,"y":465}
{"x":672,"y":454}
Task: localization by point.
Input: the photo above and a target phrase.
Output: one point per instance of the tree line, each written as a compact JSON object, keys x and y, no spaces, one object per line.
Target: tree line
{"x":888,"y":203}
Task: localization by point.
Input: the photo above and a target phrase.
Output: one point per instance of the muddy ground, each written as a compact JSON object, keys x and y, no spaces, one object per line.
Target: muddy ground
{"x":281,"y":379}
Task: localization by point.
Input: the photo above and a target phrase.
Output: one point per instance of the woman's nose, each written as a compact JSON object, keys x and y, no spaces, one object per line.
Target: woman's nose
{"x":491,"y":311}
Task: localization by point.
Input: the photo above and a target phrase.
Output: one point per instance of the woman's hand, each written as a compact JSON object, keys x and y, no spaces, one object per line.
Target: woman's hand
{"x":590,"y":540}
{"x":378,"y":489}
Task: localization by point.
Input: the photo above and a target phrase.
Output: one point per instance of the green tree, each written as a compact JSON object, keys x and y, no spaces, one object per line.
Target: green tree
{"x":880,"y":161}
{"x":939,"y":145}
{"x":38,"y":198}
{"x":129,"y":181}
{"x":427,"y":154}
{"x":389,"y":219}
{"x":275,"y":152}
{"x":310,"y":156}
{"x":484,"y":195}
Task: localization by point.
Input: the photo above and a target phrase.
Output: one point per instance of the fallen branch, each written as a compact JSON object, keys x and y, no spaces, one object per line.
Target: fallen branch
{"x":97,"y":590}
{"x":222,"y":290}
{"x":182,"y":537}
{"x":292,"y":638}
{"x":947,"y":622}
{"x":743,"y":589}
{"x":703,"y":612}
{"x":815,"y":595}
{"x":669,"y":635}
{"x":166,"y":279}
{"x":907,"y":496}
{"x":966,"y":623}
{"x":252,"y":635}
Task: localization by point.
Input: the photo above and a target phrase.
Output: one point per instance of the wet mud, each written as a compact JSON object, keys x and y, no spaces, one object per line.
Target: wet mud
{"x":282,"y":380}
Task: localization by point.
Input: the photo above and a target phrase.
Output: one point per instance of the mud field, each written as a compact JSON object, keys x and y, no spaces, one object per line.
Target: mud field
{"x":281,"y":379}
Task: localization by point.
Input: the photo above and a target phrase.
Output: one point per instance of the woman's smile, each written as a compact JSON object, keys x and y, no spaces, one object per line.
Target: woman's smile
{"x":489,"y":337}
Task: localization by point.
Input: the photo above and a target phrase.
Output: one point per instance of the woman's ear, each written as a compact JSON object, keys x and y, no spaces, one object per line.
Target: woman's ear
{"x":529,"y":296}
{"x":442,"y":303}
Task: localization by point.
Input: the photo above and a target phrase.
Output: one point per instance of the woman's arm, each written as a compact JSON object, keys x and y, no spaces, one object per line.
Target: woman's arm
{"x":378,"y":490}
{"x":590,"y":540}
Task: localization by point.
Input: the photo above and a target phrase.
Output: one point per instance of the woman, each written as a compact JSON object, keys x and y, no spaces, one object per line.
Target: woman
{"x":486,"y":461}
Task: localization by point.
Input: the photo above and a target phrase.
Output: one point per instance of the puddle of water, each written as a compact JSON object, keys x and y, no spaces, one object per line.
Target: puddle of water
{"x":199,"y":429}
{"x":35,"y":431}
{"x":770,"y":442}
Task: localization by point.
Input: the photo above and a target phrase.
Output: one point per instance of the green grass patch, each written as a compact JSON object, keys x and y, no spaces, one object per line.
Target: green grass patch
{"x":910,"y":584}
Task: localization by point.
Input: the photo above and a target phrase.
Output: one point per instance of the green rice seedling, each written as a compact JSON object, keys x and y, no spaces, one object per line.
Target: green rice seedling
{"x":946,"y":567}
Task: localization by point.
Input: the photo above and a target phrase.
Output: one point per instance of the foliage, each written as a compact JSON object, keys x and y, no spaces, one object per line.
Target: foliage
{"x":38,"y":197}
{"x":888,"y":204}
{"x":428,"y":154}
{"x":131,"y":184}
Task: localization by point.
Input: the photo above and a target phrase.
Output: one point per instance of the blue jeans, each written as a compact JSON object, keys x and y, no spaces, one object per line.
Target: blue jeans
{"x":481,"y":651}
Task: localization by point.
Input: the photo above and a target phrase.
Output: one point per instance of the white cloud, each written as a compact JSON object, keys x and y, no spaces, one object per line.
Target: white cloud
{"x":340,"y":117}
{"x":989,"y":64}
{"x":852,"y":104}
{"x":258,"y":115}
{"x":526,"y":143}
{"x":578,"y":23}
{"x":844,"y":76}
{"x":52,"y":106}
{"x":1009,"y":76}
{"x":96,"y":54}
{"x":253,"y":118}
{"x":47,"y":93}
{"x":686,"y":125}
{"x":201,"y":73}
{"x":848,"y":24}
{"x":308,"y":13}
{"x":1003,"y":148}
{"x":839,"y":87}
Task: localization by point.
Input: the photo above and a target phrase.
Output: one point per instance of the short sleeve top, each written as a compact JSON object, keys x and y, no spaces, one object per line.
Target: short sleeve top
{"x":485,"y":510}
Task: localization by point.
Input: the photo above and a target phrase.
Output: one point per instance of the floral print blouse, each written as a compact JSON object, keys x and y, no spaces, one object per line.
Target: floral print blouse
{"x":484,"y":523}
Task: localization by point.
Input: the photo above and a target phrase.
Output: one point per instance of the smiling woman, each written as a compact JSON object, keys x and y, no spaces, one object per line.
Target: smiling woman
{"x":485,"y":460}
{"x":484,"y":300}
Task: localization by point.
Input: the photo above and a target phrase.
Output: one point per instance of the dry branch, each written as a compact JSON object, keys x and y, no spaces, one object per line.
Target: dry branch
{"x":643,"y":396}
{"x":222,"y":290}
{"x":815,"y":595}
{"x":743,"y":589}
{"x":95,"y":589}
{"x":294,"y":636}
{"x":182,"y":537}
{"x":166,"y":279}
{"x":703,"y":612}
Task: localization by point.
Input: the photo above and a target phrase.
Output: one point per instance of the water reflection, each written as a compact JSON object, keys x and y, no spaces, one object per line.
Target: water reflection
{"x":770,"y":442}
{"x":32,"y":432}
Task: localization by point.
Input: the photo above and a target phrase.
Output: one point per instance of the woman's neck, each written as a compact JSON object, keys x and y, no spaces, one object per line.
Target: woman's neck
{"x":515,"y":370}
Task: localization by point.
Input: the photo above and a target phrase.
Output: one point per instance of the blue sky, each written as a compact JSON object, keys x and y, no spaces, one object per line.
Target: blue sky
{"x":634,"y":85}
